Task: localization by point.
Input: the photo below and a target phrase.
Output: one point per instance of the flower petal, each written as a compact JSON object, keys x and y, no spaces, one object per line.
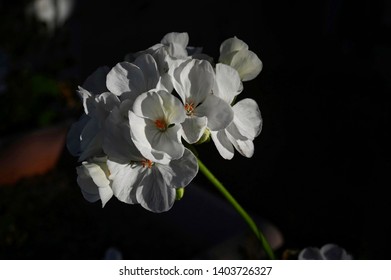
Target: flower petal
{"x":247,"y":118}
{"x":92,"y":174}
{"x":227,"y":83}
{"x":138,"y":127}
{"x":153,"y":194}
{"x":91,"y":140}
{"x":117,"y":143}
{"x":231,"y":45}
{"x":105,"y":103}
{"x":193,"y":128}
{"x":179,"y":173}
{"x":74,"y":133}
{"x":193,"y":80}
{"x":96,"y":82}
{"x":125,"y":180}
{"x":241,"y":143}
{"x":181,"y":39}
{"x":168,"y":141}
{"x":247,"y":64}
{"x":125,"y":77}
{"x":173,"y":108}
{"x":148,"y":66}
{"x":218,"y":112}
{"x":222,"y":143}
{"x":149,"y":105}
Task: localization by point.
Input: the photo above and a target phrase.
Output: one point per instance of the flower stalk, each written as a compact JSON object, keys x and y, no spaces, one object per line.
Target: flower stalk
{"x":250,"y":222}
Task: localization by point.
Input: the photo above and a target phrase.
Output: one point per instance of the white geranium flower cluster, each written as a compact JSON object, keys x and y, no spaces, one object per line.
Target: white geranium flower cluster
{"x":139,"y":113}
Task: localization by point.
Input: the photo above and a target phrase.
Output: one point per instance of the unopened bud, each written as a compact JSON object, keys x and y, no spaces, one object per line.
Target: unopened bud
{"x":179,"y":193}
{"x":204,"y":138}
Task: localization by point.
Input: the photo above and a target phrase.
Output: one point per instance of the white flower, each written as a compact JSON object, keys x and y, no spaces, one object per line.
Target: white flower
{"x":138,"y":180}
{"x":193,"y":80}
{"x":235,"y":52}
{"x":155,"y":123}
{"x":93,"y":180}
{"x":327,"y":252}
{"x":246,"y":125}
{"x":247,"y":121}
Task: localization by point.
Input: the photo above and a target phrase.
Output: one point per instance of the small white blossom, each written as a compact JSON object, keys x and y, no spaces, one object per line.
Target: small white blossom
{"x":235,"y":52}
{"x":247,"y":121}
{"x":193,"y":80}
{"x":155,"y":124}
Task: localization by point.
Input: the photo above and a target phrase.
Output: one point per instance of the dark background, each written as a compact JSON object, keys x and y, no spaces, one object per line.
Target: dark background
{"x":320,"y":172}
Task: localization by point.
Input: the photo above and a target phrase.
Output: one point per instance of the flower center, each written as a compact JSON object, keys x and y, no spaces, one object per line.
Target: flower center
{"x":189,"y":107}
{"x":161,"y":125}
{"x":147,"y":163}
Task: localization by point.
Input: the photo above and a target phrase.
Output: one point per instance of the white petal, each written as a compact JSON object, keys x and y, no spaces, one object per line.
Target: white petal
{"x":194,"y":80}
{"x":218,"y":112}
{"x":179,"y":173}
{"x":125,"y":180}
{"x":105,"y":103}
{"x":88,"y":188}
{"x":148,"y":66}
{"x":153,"y":194}
{"x":125,"y":77}
{"x":149,"y":105}
{"x":168,"y":141}
{"x":247,"y":64}
{"x":177,"y":51}
{"x":97,"y":171}
{"x":173,"y":108}
{"x":222,"y":144}
{"x":160,"y":105}
{"x":227,"y":83}
{"x":88,"y":100}
{"x":193,"y":128}
{"x":96,"y":82}
{"x":74,"y":133}
{"x":232,"y":45}
{"x":91,"y":140}
{"x":247,"y":118}
{"x":181,"y":39}
{"x":117,"y":143}
{"x":242,"y":144}
{"x":138,"y":134}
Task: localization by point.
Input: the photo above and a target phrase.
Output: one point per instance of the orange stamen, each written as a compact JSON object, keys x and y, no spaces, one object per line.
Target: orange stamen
{"x":147,"y":163}
{"x":189,"y":107}
{"x":161,"y":124}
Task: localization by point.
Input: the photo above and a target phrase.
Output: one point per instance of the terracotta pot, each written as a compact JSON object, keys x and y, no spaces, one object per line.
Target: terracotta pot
{"x":30,"y":154}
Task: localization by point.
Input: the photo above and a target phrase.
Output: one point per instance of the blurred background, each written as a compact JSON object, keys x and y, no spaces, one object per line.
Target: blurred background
{"x":321,"y":166}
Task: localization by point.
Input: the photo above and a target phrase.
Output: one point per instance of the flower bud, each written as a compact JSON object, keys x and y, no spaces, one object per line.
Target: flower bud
{"x":179,"y":193}
{"x":205,"y":137}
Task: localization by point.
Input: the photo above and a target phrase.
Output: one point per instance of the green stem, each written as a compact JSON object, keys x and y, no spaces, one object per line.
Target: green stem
{"x":265,"y":244}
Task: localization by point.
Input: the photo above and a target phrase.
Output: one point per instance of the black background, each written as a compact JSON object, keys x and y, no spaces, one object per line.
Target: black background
{"x":321,"y":167}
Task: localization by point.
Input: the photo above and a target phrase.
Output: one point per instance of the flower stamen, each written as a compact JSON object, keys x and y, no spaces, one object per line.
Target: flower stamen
{"x":189,"y":108}
{"x":147,"y":163}
{"x":161,"y":125}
